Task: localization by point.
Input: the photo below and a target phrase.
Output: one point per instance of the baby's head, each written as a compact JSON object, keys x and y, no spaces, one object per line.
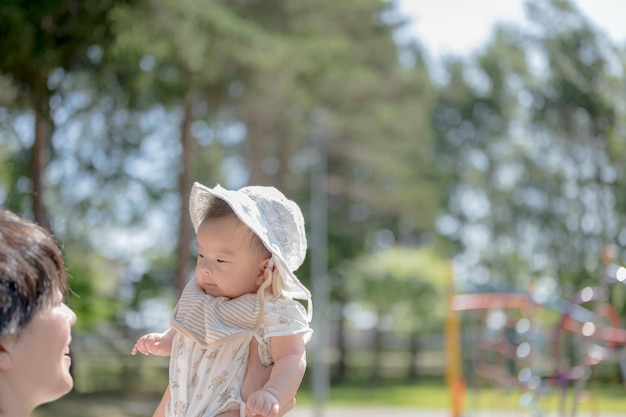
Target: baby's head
{"x":241,"y":233}
{"x":220,"y":210}
{"x":231,"y":258}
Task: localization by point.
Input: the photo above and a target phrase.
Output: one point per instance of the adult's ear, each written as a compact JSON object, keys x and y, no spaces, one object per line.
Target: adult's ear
{"x":5,"y":357}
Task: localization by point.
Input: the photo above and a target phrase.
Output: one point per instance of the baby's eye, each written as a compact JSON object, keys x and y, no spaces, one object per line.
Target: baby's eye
{"x":221,"y":261}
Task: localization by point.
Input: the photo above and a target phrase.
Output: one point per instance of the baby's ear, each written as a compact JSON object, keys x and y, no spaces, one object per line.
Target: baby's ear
{"x":265,"y":264}
{"x":261,"y":267}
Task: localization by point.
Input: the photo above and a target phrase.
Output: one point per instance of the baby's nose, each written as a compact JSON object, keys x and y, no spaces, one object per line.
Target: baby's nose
{"x":206,"y":266}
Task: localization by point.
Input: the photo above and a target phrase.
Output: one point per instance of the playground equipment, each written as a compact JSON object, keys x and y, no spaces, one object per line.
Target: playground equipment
{"x":535,"y":345}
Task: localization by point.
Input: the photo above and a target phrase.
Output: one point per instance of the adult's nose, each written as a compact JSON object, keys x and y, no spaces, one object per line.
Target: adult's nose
{"x":71,"y":316}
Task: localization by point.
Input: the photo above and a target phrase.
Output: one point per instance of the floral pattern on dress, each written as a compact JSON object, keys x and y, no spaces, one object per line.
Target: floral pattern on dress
{"x":206,"y":378}
{"x":218,"y":380}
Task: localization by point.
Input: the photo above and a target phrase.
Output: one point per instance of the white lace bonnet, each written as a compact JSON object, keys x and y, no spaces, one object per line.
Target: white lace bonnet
{"x":276,"y":220}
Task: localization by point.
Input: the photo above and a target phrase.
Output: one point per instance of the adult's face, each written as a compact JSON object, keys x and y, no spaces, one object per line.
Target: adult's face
{"x":38,"y":359}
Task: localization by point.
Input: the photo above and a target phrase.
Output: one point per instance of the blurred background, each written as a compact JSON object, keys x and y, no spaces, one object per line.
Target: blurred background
{"x":503,"y":163}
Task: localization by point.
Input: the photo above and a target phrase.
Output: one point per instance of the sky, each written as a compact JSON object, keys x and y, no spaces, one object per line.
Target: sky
{"x":441,"y":24}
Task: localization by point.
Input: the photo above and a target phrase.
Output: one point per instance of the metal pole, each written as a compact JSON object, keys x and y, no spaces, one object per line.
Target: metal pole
{"x":454,"y":377}
{"x":319,"y":262}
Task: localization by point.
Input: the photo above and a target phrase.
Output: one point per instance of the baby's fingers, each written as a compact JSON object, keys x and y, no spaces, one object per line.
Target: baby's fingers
{"x":264,"y":410}
{"x":143,"y":345}
{"x":262,"y":404}
{"x":138,"y":348}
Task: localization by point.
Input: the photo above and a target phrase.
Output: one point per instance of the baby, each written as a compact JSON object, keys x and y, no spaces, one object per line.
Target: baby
{"x":250,"y":242}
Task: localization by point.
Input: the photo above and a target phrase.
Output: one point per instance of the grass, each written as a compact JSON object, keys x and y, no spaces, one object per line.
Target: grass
{"x":431,"y":394}
{"x":435,"y":395}
{"x":100,"y":404}
{"x":390,"y":393}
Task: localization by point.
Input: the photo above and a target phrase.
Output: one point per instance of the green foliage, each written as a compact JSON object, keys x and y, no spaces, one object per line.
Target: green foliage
{"x":404,"y":283}
{"x":93,"y":282}
{"x":38,"y":37}
{"x":13,"y":168}
{"x":164,"y":50}
{"x":527,"y":128}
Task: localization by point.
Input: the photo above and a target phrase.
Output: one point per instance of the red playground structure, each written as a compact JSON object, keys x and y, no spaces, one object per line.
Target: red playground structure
{"x":534,"y":345}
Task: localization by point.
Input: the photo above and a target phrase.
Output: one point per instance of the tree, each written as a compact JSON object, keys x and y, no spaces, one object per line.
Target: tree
{"x":402,"y":285}
{"x":574,"y":103}
{"x":526,"y":127}
{"x":38,"y":38}
{"x":184,"y":56}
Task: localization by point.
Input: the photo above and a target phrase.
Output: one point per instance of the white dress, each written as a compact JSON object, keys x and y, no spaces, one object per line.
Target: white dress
{"x":210,"y":349}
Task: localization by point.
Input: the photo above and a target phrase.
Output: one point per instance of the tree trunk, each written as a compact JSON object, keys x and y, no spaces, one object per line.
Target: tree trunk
{"x":184,"y":180}
{"x":261,"y":130}
{"x":342,"y":368}
{"x":257,"y":136}
{"x":39,"y":162}
{"x":377,"y":359}
{"x":414,"y":349}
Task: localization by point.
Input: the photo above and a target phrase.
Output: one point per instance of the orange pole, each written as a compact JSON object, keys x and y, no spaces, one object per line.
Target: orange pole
{"x":454,"y":380}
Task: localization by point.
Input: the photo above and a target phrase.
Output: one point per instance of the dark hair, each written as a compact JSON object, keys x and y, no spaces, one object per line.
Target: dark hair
{"x":219,"y":208}
{"x":32,"y":271}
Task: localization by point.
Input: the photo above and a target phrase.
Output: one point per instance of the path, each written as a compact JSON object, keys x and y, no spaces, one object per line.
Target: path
{"x":301,"y":411}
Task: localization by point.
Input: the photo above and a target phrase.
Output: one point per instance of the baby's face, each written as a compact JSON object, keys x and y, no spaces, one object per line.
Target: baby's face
{"x":226,"y":265}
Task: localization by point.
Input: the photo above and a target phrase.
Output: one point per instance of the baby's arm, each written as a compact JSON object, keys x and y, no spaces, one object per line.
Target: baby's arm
{"x":159,"y":344}
{"x":289,"y":358}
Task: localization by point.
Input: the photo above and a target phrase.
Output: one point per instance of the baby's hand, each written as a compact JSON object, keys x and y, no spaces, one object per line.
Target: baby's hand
{"x":159,"y":344}
{"x":262,"y":403}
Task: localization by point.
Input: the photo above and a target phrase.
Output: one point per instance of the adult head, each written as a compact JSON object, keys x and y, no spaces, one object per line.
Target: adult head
{"x":35,"y":323}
